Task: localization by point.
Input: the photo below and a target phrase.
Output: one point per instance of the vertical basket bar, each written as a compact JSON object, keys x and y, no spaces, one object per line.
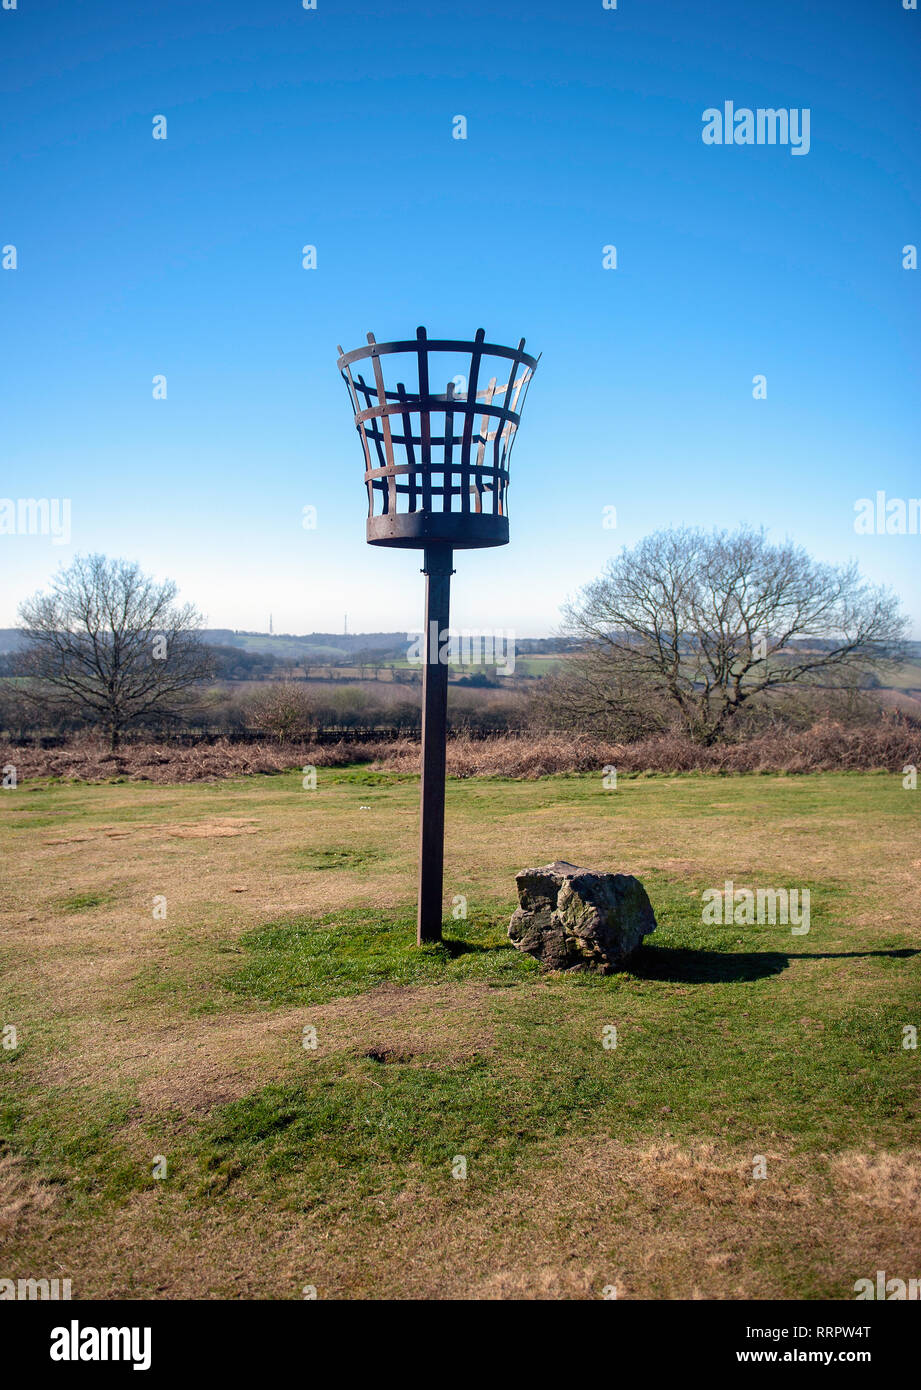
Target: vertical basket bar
{"x":449,"y":444}
{"x":385,"y":427}
{"x":467,"y":474}
{"x":408,"y":446}
{"x":425,"y":424}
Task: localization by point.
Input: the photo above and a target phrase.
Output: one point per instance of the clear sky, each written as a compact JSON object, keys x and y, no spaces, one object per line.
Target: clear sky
{"x":333,"y":127}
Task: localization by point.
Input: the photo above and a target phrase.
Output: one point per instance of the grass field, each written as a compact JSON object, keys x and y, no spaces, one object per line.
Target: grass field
{"x":178,"y":1043}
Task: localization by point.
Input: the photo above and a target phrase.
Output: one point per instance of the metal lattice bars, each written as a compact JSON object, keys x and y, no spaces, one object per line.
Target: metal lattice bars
{"x":415,"y":476}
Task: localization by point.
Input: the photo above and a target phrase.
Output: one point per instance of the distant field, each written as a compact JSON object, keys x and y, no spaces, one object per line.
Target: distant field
{"x":143,"y":1039}
{"x":908,"y":677}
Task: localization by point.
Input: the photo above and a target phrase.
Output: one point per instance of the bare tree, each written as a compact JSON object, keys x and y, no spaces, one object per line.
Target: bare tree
{"x":285,"y":710}
{"x":595,"y":691}
{"x":697,"y":624}
{"x":110,"y":642}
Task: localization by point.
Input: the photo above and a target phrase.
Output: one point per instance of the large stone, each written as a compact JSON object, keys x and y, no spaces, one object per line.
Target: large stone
{"x":572,"y":918}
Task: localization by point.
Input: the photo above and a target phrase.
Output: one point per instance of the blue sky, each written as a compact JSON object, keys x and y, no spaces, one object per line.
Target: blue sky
{"x":333,"y":127}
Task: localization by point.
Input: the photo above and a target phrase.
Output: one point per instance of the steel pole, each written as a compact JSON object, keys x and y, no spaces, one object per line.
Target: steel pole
{"x":437,"y":570}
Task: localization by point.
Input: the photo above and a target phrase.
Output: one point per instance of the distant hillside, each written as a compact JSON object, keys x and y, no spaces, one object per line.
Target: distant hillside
{"x":326,"y":646}
{"x":337,"y":646}
{"x":319,"y":646}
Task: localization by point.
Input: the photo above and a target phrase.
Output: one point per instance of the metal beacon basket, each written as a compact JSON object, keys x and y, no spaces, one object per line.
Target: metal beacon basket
{"x":437,"y":451}
{"x":437,"y":445}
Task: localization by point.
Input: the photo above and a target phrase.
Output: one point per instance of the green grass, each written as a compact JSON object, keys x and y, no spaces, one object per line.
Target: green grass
{"x":309,"y":961}
{"x":375,"y":1123}
{"x":81,"y":902}
{"x":338,"y":858}
{"x":75,"y":1139}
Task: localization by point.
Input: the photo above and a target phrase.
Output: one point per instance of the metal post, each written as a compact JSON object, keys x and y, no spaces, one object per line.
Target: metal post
{"x":437,"y":570}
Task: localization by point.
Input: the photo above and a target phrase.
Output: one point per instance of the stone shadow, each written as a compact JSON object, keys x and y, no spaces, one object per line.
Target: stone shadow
{"x":686,"y":966}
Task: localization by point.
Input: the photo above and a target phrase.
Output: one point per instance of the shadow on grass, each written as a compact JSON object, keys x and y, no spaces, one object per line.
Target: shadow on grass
{"x":717,"y":967}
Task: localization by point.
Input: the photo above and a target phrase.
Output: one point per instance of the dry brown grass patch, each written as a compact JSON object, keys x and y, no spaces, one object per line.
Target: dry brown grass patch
{"x":194,"y":1064}
{"x":23,"y":1198}
{"x":885,"y":1181}
{"x":219,"y":828}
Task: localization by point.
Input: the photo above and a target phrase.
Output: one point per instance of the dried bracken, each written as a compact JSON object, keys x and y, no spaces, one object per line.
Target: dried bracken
{"x":890,"y":744}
